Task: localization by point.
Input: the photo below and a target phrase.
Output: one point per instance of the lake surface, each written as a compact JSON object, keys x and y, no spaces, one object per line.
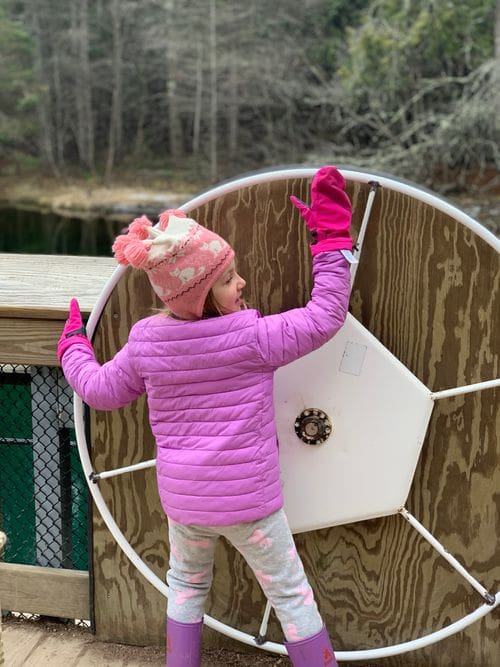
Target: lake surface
{"x":49,"y":234}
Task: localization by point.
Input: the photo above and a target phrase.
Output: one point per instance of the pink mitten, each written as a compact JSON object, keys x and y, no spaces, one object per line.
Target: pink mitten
{"x":329,"y":216}
{"x":73,"y":332}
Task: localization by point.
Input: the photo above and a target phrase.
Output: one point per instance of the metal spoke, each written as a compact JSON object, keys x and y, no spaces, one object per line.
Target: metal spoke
{"x":490,"y":599}
{"x":364,"y":224}
{"x":466,"y":389}
{"x":97,"y":476}
{"x":261,"y":637}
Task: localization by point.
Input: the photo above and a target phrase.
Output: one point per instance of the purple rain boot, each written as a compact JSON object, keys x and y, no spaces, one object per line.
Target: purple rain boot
{"x":183,"y":644}
{"x":315,"y":651}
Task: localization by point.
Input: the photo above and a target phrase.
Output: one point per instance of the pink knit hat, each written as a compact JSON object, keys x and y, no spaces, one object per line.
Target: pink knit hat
{"x":182,"y":259}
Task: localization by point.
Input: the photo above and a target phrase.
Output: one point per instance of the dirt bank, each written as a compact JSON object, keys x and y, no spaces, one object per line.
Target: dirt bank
{"x":85,"y":199}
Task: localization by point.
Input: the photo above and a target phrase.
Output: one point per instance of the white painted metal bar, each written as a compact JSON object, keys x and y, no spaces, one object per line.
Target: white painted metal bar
{"x":446,"y":555}
{"x":259,"y":639}
{"x":364,"y":224}
{"x":466,"y":389}
{"x":96,"y":476}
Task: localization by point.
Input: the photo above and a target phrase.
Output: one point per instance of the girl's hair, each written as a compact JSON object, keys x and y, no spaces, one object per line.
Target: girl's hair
{"x":210,"y":309}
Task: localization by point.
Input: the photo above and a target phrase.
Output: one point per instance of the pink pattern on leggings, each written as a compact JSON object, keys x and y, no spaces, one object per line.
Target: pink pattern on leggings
{"x":199,"y":544}
{"x":258,"y":537}
{"x":263,"y":578}
{"x":197,"y":577}
{"x":182,"y":596}
{"x":291,"y":633}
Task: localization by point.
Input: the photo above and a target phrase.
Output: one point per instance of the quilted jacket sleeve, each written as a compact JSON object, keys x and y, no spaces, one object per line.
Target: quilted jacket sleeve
{"x":285,"y":337}
{"x":106,"y":387}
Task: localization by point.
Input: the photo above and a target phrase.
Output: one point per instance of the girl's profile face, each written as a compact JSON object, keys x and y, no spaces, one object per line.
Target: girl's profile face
{"x":227,"y":291}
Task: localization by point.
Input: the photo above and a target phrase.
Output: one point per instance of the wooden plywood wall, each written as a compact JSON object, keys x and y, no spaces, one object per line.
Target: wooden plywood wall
{"x":427,"y":287}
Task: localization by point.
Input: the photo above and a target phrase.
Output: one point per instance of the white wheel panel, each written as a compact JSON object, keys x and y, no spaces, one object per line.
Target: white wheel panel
{"x":379,"y":412}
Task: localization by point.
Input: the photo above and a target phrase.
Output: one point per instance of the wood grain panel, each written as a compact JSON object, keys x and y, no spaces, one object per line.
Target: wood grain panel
{"x":127,"y":608}
{"x":427,"y":287}
{"x":43,"y":590}
{"x":29,"y":341}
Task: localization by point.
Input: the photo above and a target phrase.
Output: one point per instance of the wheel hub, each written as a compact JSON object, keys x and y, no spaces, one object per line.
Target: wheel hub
{"x":313,"y":426}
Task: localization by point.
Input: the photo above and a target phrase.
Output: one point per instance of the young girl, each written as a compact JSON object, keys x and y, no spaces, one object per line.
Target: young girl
{"x":207,"y":368}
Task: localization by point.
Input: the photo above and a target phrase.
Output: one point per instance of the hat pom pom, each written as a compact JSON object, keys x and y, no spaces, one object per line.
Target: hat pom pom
{"x":137,"y":252}
{"x":163,"y":219}
{"x":140,"y":227}
{"x":118,"y":249}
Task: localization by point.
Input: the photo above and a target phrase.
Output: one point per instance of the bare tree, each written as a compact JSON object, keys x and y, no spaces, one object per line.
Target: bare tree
{"x":59,"y":102}
{"x":198,"y":98}
{"x":83,"y":82}
{"x":213,"y":90}
{"x":171,"y":51}
{"x":44,"y":109}
{"x":115,"y":121}
{"x":496,"y":75}
{"x":86,"y":85}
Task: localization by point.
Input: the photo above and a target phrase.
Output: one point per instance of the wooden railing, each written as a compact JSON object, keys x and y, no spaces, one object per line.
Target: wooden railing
{"x":35,"y":291}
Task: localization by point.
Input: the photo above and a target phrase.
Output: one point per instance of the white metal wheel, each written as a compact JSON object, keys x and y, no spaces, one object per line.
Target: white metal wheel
{"x":358,"y":355}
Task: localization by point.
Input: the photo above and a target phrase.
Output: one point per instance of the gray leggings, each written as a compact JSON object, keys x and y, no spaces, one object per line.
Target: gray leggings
{"x":267,"y":546}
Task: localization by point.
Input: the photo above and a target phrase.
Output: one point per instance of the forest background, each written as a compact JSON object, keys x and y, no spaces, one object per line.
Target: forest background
{"x":185,"y":94}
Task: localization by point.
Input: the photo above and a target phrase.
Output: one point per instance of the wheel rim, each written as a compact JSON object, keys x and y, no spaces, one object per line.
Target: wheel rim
{"x":364,"y":654}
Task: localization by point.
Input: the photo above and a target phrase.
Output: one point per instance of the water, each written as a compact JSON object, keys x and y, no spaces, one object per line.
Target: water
{"x":33,"y":232}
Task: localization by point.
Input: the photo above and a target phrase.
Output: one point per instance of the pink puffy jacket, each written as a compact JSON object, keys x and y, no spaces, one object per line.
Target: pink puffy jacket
{"x":209,"y":385}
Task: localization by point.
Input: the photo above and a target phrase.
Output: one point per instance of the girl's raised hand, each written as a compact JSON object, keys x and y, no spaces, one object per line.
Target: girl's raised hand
{"x":73,"y":332}
{"x":329,"y":216}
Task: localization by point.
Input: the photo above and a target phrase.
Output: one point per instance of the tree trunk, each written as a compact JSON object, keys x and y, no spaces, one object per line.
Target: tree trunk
{"x":43,"y":102}
{"x":83,"y":83}
{"x":198,"y":97}
{"x":174,"y":126}
{"x":139,"y":134}
{"x":213,"y":90}
{"x":496,"y":69}
{"x":59,"y":106}
{"x":115,"y":121}
{"x":87,"y":86}
{"x":233,"y":106}
{"x":497,"y":31}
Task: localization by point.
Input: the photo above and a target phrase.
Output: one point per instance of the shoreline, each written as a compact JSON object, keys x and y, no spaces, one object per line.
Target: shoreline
{"x":87,"y":199}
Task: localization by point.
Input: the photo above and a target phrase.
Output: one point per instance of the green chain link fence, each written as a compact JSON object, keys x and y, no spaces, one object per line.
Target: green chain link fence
{"x":43,"y":494}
